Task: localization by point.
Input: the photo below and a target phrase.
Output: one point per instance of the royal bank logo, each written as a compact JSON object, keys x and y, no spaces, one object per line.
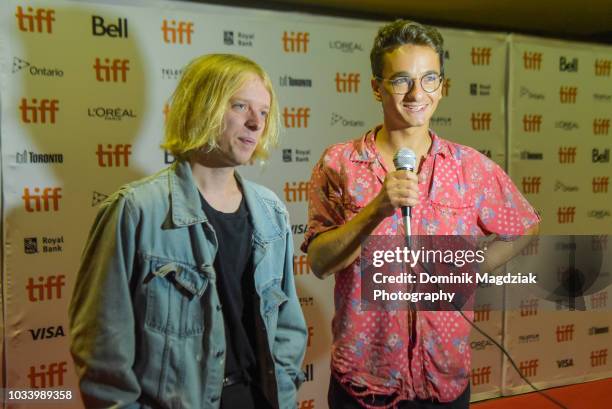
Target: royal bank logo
{"x":26,"y":157}
{"x":338,"y":119}
{"x":301,"y":155}
{"x":238,"y":38}
{"x":530,"y":94}
{"x":345,"y":46}
{"x":111,"y":113}
{"x":477,"y":89}
{"x":48,"y":244}
{"x":289,"y":81}
{"x":441,"y":121}
{"x":20,"y":64}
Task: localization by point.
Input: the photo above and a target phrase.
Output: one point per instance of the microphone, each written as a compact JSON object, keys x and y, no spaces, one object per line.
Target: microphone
{"x":405,"y":159}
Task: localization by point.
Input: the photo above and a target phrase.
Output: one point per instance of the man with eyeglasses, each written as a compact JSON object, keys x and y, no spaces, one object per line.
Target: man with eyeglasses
{"x":403,"y":358}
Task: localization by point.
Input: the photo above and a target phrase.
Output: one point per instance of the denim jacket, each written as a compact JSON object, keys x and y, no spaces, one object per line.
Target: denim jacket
{"x":146,"y":323}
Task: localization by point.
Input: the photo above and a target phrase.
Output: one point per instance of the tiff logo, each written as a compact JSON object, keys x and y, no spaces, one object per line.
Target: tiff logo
{"x":532,"y":122}
{"x":532,"y":61}
{"x":44,"y":290}
{"x":481,"y":55}
{"x":120,"y":152}
{"x":482,"y":312}
{"x":599,"y":243}
{"x":599,"y":300}
{"x":566,"y":214}
{"x":296,"y":42}
{"x":599,"y":358}
{"x":602,"y":68}
{"x":174,"y":33}
{"x":48,"y":376}
{"x":600,"y":184}
{"x":310,"y":336}
{"x":481,"y":376}
{"x":529,"y":368}
{"x":347,"y":82}
{"x":601,"y":126}
{"x":531,"y":184}
{"x":306,"y":404}
{"x":481,"y":121}
{"x":36,"y":112}
{"x":32,"y":21}
{"x":446,"y":84}
{"x":567,"y":154}
{"x":529,"y":307}
{"x":296,"y":192}
{"x":532,"y":248}
{"x":565,"y":333}
{"x":42,"y":202}
{"x":567,"y":95}
{"x":109,"y":71}
{"x":300,"y":265}
{"x":293,"y":119}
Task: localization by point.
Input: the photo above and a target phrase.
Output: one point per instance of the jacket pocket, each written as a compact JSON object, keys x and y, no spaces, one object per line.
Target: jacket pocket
{"x":174,"y":297}
{"x":272,"y":297}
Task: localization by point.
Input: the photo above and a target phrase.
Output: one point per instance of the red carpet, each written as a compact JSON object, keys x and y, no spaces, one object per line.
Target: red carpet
{"x":589,"y":395}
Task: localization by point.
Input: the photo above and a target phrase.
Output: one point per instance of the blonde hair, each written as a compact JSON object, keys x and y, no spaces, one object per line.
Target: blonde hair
{"x":199,"y":103}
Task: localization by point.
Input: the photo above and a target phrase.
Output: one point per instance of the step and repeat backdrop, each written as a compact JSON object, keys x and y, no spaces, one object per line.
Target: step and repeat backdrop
{"x":85,"y":90}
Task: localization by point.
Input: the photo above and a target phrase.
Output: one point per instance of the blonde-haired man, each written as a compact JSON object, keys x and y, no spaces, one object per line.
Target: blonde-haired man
{"x":185,"y":297}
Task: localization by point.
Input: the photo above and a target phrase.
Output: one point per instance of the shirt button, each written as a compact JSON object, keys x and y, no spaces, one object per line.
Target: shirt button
{"x":219,"y":353}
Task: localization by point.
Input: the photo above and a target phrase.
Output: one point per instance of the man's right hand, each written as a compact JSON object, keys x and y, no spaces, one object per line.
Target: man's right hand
{"x":400,"y":188}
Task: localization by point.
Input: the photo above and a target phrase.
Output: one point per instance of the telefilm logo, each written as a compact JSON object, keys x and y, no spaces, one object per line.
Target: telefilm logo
{"x":111,"y":70}
{"x":529,"y":94}
{"x":564,"y":333}
{"x":37,"y":111}
{"x":289,"y":81}
{"x":531,"y":184}
{"x":296,"y":191}
{"x":296,"y":117}
{"x":114,"y":155}
{"x":600,"y":184}
{"x":25,"y":157}
{"x":238,"y":38}
{"x":568,"y":94}
{"x":48,"y":375}
{"x":100,"y":28}
{"x":560,"y":186}
{"x":43,"y":333}
{"x":345,"y":46}
{"x":48,"y":244}
{"x":600,"y":156}
{"x":567,"y":154}
{"x":111,"y":114}
{"x":347,"y":82}
{"x":481,"y":121}
{"x":532,"y":61}
{"x":338,"y":119}
{"x":480,"y":89}
{"x":568,"y":64}
{"x":19,"y":64}
{"x":601,"y":126}
{"x":46,"y":201}
{"x":301,"y":155}
{"x":46,"y":288}
{"x":171,"y":73}
{"x":481,"y":55}
{"x":481,"y":375}
{"x":602,"y":67}
{"x":35,"y":20}
{"x":295,"y":42}
{"x":527,"y":155}
{"x":441,"y":121}
{"x":529,"y":338}
{"x":306,"y":301}
{"x":529,"y":367}
{"x":177,"y":31}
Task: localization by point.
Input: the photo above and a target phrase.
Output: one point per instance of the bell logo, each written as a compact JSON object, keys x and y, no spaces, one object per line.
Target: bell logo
{"x":565,"y":333}
{"x":601,"y":126}
{"x":481,"y":55}
{"x":481,"y":376}
{"x":296,"y":192}
{"x":109,"y":71}
{"x":566,"y":214}
{"x":121,"y":153}
{"x":98,"y":28}
{"x":602,"y":68}
{"x":531,"y":184}
{"x":296,"y":117}
{"x":309,"y":372}
{"x":532,"y":248}
{"x":532,"y":122}
{"x":32,"y":21}
{"x":481,"y":121}
{"x":568,"y":65}
{"x":532,"y":61}
{"x":47,"y":201}
{"x":347,"y":82}
{"x":600,"y":184}
{"x":599,"y":358}
{"x":529,"y":368}
{"x":44,"y":290}
{"x":599,"y":300}
{"x":306,"y":404}
{"x":567,"y":95}
{"x":567,"y":154}
{"x":310,"y":336}
{"x":446,"y":84}
{"x":482,"y":312}
{"x":35,"y":112}
{"x":300,"y":265}
{"x":174,"y":33}
{"x":529,"y":307}
{"x":48,"y":375}
{"x":296,"y":42}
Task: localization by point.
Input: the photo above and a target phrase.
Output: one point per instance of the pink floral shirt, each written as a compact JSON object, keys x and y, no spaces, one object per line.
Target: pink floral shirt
{"x":462,"y":192}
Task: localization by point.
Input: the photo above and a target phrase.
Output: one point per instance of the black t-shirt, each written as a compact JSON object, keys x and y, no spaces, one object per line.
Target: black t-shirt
{"x":234,"y":270}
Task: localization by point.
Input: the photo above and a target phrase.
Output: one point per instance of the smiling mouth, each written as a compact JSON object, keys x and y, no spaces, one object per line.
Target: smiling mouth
{"x":247,"y":141}
{"x":415,"y":108}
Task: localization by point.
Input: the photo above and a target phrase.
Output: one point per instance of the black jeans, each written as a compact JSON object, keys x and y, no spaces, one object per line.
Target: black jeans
{"x":339,"y":398}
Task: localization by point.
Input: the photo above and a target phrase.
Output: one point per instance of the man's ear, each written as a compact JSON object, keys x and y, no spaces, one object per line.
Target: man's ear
{"x":376,"y":89}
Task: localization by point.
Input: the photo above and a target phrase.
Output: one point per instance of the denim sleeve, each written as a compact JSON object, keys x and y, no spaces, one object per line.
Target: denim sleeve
{"x":290,"y":340}
{"x":101,"y":315}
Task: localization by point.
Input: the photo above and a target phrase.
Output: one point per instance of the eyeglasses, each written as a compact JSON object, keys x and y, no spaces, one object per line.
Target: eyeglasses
{"x":430,"y":82}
